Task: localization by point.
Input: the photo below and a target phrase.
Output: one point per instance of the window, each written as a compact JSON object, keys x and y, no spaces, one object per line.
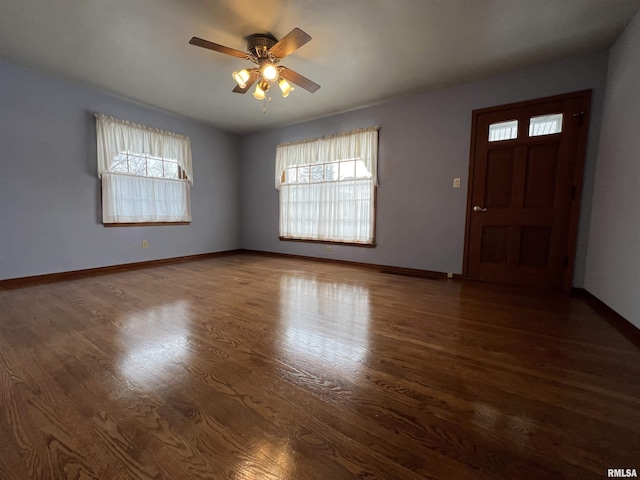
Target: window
{"x":145,"y":165}
{"x":545,"y":125}
{"x":327,"y":188}
{"x":503,"y":131}
{"x":146,"y":173}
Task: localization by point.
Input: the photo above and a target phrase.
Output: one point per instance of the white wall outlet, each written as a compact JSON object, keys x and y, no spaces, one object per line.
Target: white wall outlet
{"x":456,"y":183}
{"x":145,"y":244}
{"x":329,"y":248}
{"x":449,"y":275}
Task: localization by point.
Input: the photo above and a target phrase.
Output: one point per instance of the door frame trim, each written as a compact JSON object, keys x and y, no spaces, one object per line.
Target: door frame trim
{"x":577,"y":180}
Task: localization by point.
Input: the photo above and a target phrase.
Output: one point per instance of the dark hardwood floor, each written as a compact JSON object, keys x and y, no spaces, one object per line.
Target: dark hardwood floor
{"x":254,"y":367}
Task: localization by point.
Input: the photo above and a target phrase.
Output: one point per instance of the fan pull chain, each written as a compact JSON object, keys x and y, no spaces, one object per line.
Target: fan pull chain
{"x":264,"y":104}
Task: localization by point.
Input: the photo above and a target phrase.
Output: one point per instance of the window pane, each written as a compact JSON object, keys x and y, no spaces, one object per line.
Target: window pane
{"x":361,"y":170}
{"x":347,"y":169}
{"x":317,"y":173}
{"x":331,"y":171}
{"x":120,"y":164}
{"x":503,"y":131}
{"x":154,"y":168}
{"x":545,"y":125}
{"x":138,"y":166}
{"x":170,"y":170}
{"x":292,"y":175}
{"x":304,"y":174}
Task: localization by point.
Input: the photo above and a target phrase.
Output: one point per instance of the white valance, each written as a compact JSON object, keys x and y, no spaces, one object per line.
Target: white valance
{"x":115,"y":136}
{"x":358,"y":144}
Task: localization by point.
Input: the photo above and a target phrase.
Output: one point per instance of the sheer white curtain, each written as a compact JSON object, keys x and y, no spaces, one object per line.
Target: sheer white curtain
{"x":334,"y":211}
{"x":136,"y":198}
{"x":329,"y":208}
{"x":133,"y":199}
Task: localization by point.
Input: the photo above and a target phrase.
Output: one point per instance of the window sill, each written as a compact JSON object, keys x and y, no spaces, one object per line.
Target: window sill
{"x":328,"y":242}
{"x":144,"y":224}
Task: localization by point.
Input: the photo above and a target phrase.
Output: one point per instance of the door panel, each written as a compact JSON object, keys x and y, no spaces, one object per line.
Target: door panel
{"x":494,"y":245}
{"x":499,"y":178}
{"x":541,"y":171}
{"x":535,"y":247}
{"x":526,"y":166}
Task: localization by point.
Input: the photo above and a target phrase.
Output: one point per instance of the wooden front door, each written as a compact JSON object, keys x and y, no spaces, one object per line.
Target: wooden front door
{"x":525,"y":178}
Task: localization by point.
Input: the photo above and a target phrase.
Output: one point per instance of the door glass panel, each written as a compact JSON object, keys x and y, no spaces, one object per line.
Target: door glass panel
{"x":545,"y":125}
{"x":503,"y":131}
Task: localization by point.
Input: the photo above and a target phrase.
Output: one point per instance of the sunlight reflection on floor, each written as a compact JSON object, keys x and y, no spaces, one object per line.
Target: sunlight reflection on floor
{"x":155,"y":340}
{"x":308,"y":305}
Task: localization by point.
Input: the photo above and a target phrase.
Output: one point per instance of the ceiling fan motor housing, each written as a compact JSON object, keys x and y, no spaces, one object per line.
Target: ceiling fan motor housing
{"x":259,"y":44}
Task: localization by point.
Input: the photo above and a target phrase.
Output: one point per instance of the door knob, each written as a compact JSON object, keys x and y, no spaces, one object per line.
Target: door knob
{"x":478,"y":208}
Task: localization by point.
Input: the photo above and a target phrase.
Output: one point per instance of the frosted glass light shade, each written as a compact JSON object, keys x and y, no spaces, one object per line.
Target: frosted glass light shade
{"x":259,"y":93}
{"x":269,"y":72}
{"x":285,"y":87}
{"x":241,"y":77}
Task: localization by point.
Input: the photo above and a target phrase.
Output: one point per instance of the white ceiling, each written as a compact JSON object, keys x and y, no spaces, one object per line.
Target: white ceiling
{"x":363,"y":51}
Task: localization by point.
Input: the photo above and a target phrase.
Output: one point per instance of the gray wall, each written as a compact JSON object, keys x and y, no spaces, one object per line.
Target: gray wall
{"x":50,"y":194}
{"x":613,"y":260}
{"x":424,"y":144}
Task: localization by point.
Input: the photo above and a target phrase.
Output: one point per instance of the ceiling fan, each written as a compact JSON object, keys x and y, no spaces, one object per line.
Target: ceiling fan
{"x":264,"y":50}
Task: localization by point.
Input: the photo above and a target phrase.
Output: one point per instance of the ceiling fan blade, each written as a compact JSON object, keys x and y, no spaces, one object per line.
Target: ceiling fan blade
{"x":289,"y":43}
{"x":298,"y":79}
{"x":199,"y":42}
{"x":252,"y":79}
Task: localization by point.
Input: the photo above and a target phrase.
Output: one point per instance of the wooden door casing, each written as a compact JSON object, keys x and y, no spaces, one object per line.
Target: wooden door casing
{"x":530,"y":189}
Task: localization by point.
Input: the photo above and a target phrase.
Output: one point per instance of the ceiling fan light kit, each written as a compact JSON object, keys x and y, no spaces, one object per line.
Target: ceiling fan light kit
{"x":266,"y":52}
{"x":261,"y":90}
{"x":285,"y":87}
{"x":269,"y":72}
{"x":241,"y":77}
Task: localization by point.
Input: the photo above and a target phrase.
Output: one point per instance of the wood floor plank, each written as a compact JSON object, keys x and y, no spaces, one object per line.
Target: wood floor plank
{"x":247,"y":366}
